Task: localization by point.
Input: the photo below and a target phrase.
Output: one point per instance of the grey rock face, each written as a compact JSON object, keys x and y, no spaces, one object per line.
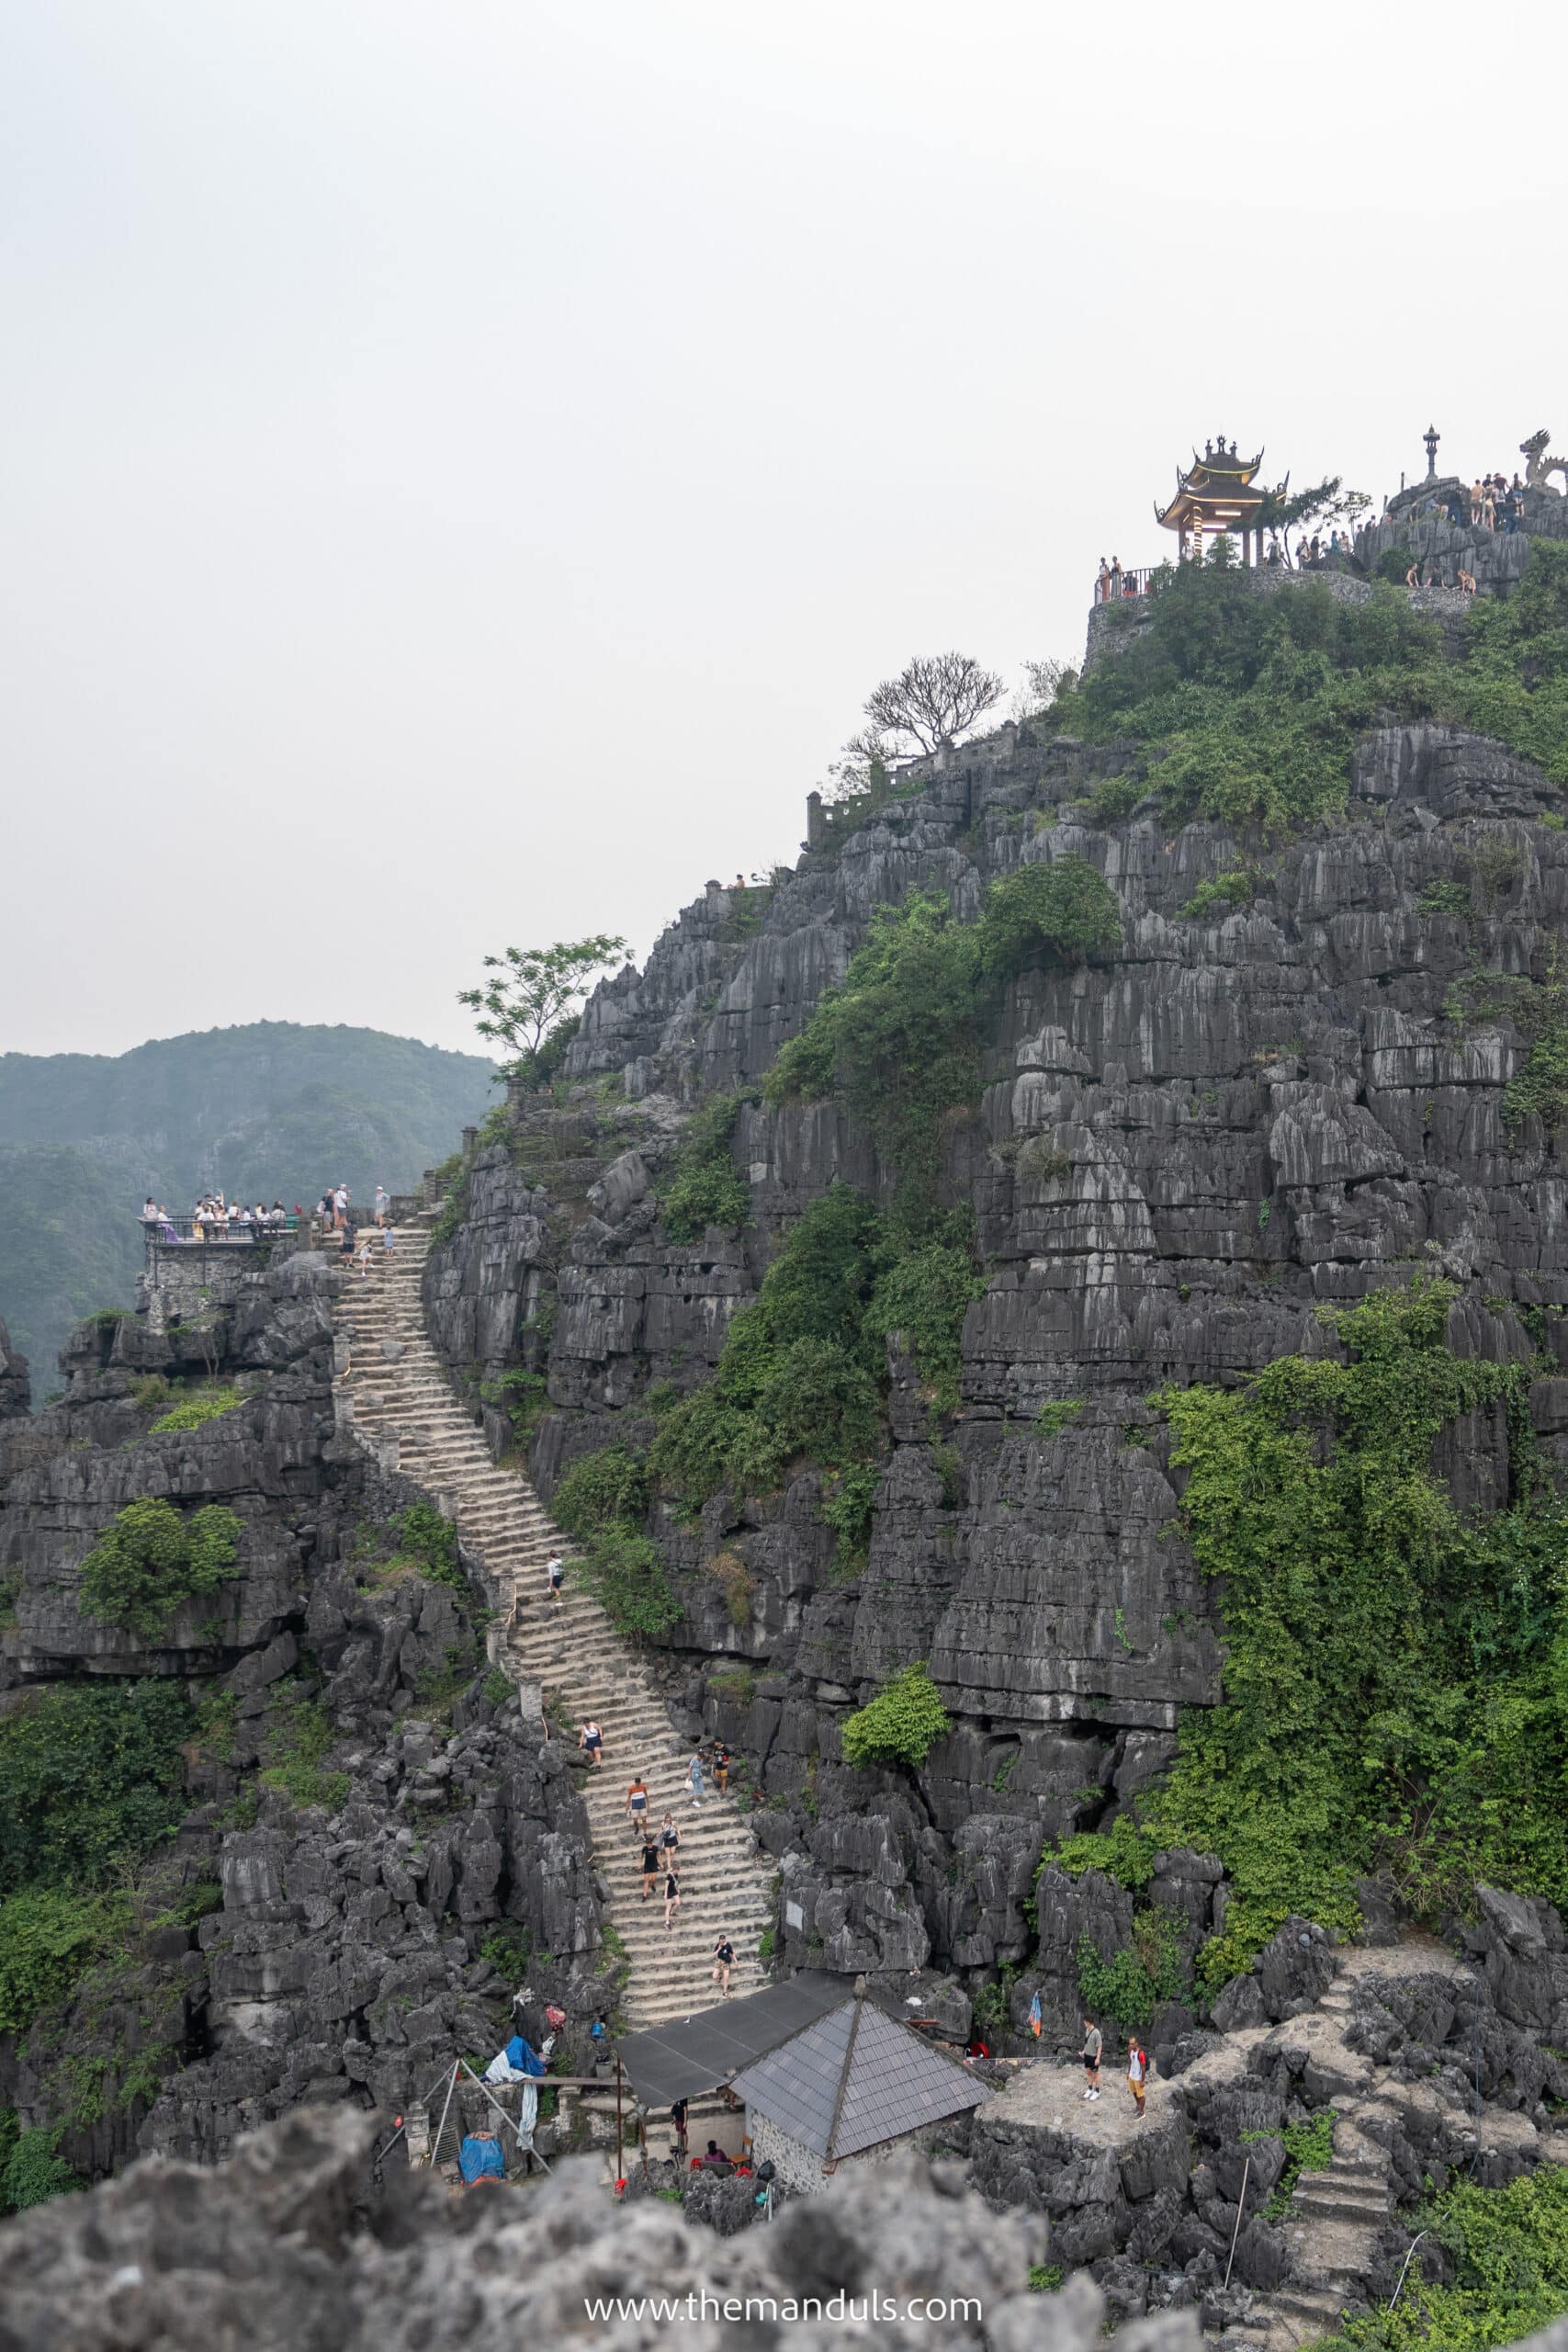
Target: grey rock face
{"x":15,"y":1385}
{"x":270,"y":2251}
{"x":1177,"y":1156}
{"x":337,"y":1956}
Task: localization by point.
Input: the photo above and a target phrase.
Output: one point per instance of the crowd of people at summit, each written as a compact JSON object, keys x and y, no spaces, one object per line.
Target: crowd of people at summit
{"x":215,"y":1218}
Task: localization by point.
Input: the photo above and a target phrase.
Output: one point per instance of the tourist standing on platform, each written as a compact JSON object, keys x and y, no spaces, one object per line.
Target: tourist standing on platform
{"x":383,"y":1204}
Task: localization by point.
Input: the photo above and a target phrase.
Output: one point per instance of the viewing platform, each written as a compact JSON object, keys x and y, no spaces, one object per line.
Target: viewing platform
{"x":1115,"y":586}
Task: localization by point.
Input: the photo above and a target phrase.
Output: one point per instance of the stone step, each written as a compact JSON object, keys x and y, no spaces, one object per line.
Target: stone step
{"x":1320,"y":2306}
{"x":1338,"y":2201}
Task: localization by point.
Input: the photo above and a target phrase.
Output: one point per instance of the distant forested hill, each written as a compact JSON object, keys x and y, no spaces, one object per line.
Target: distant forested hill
{"x":269,"y":1111}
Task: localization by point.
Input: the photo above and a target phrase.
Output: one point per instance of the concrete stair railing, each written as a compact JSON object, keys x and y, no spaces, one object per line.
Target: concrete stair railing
{"x":393,"y":1392}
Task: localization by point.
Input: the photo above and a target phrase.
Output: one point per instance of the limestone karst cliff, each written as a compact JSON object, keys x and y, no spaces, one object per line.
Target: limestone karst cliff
{"x":1044,"y":1323}
{"x":1312,"y":1071}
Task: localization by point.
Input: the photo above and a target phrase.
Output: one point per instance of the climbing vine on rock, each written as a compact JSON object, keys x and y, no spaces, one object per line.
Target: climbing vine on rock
{"x":1395,"y":1691}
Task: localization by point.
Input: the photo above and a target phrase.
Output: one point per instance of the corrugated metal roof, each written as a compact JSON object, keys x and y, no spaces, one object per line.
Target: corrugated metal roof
{"x":688,"y":2055}
{"x":877,"y":2079}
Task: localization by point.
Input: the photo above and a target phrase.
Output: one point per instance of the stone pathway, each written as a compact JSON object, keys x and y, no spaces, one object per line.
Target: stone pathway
{"x":1336,"y":2215}
{"x":392,"y":1389}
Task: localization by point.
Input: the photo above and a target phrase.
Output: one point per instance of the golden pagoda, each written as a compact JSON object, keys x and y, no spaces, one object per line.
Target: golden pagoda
{"x":1217,"y":494}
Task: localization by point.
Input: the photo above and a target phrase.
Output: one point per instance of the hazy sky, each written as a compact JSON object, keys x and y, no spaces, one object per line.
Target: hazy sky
{"x":465,"y":465}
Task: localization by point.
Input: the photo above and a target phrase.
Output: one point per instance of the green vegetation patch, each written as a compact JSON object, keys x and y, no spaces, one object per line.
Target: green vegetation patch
{"x":1129,"y":1987}
{"x":602,"y":1501}
{"x":1394,"y":1680}
{"x":32,"y":2170}
{"x":194,"y":1412}
{"x":704,"y":1188}
{"x":803,"y":1367}
{"x":48,"y":1940}
{"x":89,"y":1783}
{"x":899,"y":1038}
{"x":1249,"y":705}
{"x":151,"y":1559}
{"x":1538,"y":1010}
{"x":900,"y":1726}
{"x":89,"y":1777}
{"x":1509,"y":2249}
{"x":296,"y":1750}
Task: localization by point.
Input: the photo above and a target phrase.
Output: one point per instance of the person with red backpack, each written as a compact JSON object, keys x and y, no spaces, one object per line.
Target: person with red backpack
{"x":1137,"y":2071}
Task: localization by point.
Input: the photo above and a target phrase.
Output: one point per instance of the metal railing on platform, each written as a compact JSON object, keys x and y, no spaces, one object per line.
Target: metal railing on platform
{"x":1112,"y":586}
{"x":216,"y":1232}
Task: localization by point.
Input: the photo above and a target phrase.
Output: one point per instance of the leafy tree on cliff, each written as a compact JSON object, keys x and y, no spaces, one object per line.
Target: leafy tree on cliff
{"x":531,"y":1003}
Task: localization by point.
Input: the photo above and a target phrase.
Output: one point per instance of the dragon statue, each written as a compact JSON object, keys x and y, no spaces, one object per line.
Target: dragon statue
{"x":1538,"y":465}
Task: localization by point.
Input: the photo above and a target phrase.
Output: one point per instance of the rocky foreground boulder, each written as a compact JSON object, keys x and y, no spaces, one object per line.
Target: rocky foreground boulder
{"x":287,"y":2246}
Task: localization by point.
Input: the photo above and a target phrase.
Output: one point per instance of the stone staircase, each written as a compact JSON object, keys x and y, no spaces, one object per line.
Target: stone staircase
{"x":1336,"y":2214}
{"x":392,"y":1388}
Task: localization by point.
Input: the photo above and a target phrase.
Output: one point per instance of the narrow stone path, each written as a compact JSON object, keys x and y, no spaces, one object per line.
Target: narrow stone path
{"x":1336,"y":2215}
{"x":392,"y":1387}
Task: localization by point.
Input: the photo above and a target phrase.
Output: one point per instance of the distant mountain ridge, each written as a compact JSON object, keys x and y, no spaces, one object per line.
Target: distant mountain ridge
{"x":273,"y":1109}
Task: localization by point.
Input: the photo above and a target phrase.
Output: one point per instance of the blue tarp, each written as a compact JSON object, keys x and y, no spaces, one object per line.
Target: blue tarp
{"x":522,"y":2059}
{"x":481,"y":2159}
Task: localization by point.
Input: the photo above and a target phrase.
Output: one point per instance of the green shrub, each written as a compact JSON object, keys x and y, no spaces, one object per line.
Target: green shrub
{"x":898,"y":1037}
{"x":1059,"y":1414}
{"x":1509,"y":2252}
{"x":32,"y":2170}
{"x":1513,"y":683}
{"x":900,"y":1726}
{"x":599,"y":1489}
{"x":1128,"y":1988}
{"x":626,"y":1575}
{"x":602,"y":1501}
{"x":734,"y":1580}
{"x":705,"y":1188}
{"x":509,"y":1952}
{"x":297,"y":1748}
{"x":523,"y":1396}
{"x":89,"y":1779}
{"x":194,"y":1412}
{"x":801,"y":1371}
{"x":1060,"y":913}
{"x":1222,"y":894}
{"x":427,"y":1541}
{"x":49,"y":1938}
{"x":848,"y":1507}
{"x":1309,"y":2147}
{"x":923,"y":1297}
{"x":1250,"y":705}
{"x":150,"y":1561}
{"x":1444,"y":898}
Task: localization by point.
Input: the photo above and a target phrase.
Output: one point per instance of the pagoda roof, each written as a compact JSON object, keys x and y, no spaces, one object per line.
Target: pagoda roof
{"x":1218,"y":466}
{"x":1217,"y":486}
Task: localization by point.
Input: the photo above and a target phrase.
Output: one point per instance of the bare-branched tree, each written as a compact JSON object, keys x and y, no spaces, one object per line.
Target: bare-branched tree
{"x":935,"y":697}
